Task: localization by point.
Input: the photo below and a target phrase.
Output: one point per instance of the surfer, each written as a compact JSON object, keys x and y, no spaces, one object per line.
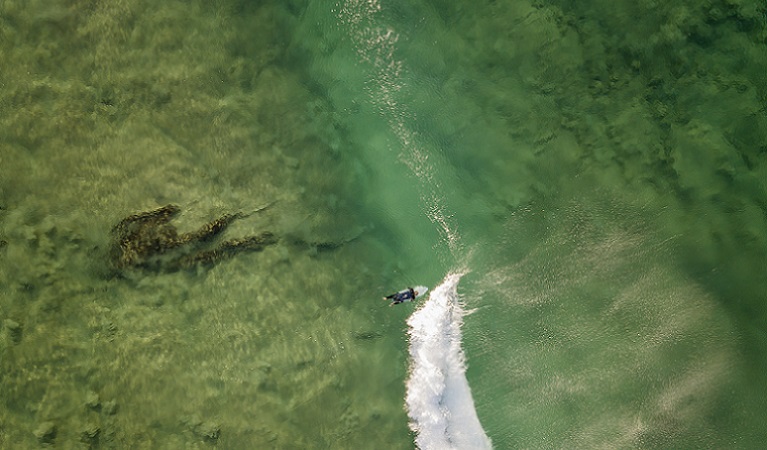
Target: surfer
{"x":406,"y":295}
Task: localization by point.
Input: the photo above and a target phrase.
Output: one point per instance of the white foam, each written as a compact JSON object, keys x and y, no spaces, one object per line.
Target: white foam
{"x":439,"y":400}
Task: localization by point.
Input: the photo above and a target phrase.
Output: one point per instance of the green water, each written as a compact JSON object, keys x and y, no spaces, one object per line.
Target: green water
{"x":599,"y":171}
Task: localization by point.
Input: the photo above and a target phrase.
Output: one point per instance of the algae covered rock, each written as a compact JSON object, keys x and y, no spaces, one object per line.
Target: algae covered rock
{"x":46,"y":432}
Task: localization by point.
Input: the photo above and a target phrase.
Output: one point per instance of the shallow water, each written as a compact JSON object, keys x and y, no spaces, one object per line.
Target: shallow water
{"x":596,"y":173}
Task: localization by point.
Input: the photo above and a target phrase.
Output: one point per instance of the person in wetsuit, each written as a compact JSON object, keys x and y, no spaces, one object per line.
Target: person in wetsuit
{"x":405,"y":295}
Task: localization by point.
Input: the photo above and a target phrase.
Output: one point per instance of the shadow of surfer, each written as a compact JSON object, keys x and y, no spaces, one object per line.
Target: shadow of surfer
{"x":406,"y":295}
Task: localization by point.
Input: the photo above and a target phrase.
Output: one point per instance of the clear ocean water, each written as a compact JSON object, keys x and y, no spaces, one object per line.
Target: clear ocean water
{"x":582,"y":187}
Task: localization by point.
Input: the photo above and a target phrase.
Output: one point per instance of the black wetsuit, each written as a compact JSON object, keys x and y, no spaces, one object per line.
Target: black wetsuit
{"x":404,"y":295}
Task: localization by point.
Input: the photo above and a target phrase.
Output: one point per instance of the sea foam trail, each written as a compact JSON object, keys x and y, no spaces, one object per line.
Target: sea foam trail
{"x":439,"y":400}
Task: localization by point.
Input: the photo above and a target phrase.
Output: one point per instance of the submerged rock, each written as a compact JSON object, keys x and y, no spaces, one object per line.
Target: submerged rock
{"x":109,"y":408}
{"x":90,"y":434}
{"x":209,"y":431}
{"x":46,"y":432}
{"x":15,"y":330}
{"x":148,"y":240}
{"x":92,"y":400}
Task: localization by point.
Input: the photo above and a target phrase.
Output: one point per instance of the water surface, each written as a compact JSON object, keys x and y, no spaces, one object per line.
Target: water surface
{"x":596,"y":174}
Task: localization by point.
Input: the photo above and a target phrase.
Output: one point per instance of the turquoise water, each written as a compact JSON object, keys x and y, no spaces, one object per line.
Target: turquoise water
{"x":583,"y":189}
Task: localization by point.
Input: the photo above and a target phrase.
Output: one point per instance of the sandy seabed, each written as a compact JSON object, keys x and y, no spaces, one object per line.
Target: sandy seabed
{"x":112,"y":108}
